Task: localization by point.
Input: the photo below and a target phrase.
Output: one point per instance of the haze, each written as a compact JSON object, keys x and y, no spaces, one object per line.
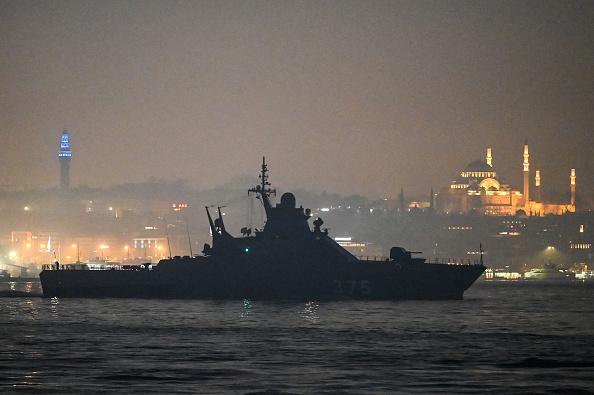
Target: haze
{"x":353,"y":97}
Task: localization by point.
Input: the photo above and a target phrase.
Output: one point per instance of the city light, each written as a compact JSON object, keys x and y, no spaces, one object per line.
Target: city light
{"x":103,"y":247}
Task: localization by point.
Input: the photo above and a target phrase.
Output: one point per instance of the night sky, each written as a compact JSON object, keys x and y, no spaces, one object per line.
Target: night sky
{"x":353,"y":97}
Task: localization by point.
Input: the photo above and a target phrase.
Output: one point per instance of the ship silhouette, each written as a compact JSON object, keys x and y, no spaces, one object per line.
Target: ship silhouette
{"x":287,"y":259}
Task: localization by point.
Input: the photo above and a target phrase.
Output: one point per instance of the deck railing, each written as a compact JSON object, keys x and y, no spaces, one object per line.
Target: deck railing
{"x":440,"y":261}
{"x":94,"y":266}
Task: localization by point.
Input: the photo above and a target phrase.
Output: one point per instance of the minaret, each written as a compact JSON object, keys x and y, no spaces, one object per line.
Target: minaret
{"x":526,"y":175}
{"x":572,"y":186}
{"x":537,"y":184}
{"x":489,"y":157}
{"x":64,"y":156}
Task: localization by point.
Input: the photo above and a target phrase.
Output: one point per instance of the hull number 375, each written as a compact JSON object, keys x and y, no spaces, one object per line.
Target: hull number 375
{"x":352,"y":287}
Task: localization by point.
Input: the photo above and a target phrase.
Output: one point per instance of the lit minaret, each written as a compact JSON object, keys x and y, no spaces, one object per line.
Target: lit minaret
{"x":489,"y":157}
{"x":572,"y":181}
{"x":537,"y":184}
{"x":64,"y":155}
{"x":526,"y":174}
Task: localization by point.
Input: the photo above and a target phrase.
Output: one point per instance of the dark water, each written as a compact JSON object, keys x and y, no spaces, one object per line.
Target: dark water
{"x":503,"y":338}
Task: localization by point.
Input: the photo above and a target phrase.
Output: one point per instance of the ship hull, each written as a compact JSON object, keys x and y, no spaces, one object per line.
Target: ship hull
{"x":204,"y":278}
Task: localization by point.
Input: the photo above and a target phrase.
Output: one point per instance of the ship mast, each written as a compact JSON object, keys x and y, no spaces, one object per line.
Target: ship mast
{"x":264,"y":189}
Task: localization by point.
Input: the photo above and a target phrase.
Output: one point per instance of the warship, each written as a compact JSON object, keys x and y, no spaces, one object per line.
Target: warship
{"x":285,"y":260}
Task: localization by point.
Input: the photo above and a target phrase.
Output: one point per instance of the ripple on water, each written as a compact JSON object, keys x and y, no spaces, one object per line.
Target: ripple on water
{"x":507,"y":338}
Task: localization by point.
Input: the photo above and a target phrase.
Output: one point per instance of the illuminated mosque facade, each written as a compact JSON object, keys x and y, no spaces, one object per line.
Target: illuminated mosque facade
{"x":478,"y":188}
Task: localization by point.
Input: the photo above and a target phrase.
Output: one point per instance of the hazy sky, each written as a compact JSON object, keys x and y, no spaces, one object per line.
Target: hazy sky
{"x":344,"y":96}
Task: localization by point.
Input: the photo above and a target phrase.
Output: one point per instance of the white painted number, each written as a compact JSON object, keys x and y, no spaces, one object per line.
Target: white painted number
{"x":349,"y":287}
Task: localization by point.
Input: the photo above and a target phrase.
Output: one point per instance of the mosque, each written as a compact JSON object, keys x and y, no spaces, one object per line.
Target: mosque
{"x":479,"y":189}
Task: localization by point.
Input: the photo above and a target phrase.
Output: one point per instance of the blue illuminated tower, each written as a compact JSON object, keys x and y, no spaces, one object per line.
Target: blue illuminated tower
{"x":64,"y":155}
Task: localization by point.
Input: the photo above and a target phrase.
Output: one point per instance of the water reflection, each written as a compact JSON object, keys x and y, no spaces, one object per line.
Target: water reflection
{"x":247,"y":307}
{"x":310,"y":312}
{"x":54,"y":306}
{"x":29,"y":379}
{"x":30,"y":308}
{"x":29,"y":287}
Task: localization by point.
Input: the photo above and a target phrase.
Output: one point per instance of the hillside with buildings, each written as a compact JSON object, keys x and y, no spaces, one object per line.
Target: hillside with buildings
{"x":136,"y":222}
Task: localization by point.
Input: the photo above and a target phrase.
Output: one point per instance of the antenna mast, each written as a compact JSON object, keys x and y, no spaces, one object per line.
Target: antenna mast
{"x":264,"y":188}
{"x":167,"y":234}
{"x":189,"y":241}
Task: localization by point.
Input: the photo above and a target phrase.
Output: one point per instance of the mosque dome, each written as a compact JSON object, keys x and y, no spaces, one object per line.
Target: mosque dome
{"x":478,"y":165}
{"x":478,"y":170}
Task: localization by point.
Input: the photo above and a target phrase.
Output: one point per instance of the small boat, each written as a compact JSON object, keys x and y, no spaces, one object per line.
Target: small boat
{"x":549,"y":273}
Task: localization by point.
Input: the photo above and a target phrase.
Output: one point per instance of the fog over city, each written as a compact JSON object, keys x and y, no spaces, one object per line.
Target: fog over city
{"x":349,"y":97}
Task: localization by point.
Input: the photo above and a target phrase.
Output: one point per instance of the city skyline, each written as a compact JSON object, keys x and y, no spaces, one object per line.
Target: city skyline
{"x":347,"y":97}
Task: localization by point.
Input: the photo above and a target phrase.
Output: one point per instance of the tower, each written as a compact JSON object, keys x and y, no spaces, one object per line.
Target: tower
{"x":489,"y":157}
{"x":537,"y":185}
{"x":64,"y":156}
{"x":572,"y":186}
{"x":526,"y":174}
